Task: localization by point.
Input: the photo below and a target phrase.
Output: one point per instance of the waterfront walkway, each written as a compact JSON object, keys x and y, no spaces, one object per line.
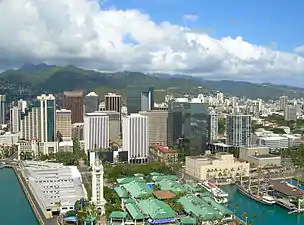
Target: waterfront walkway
{"x":40,"y":215}
{"x":34,"y":204}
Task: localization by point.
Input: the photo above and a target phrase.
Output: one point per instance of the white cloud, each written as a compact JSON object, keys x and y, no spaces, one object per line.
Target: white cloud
{"x":191,"y":17}
{"x":299,"y":49}
{"x":77,"y":32}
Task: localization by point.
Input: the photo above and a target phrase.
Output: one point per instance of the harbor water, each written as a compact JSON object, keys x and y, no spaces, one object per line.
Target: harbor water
{"x":259,"y":214}
{"x":14,"y":208}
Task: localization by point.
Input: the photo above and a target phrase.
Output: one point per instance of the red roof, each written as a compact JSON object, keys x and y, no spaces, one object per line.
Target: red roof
{"x":164,"y":149}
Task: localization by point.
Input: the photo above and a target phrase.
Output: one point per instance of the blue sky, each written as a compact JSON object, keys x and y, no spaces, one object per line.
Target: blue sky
{"x":261,"y":22}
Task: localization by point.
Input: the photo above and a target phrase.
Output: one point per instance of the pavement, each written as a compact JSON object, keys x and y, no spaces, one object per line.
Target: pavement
{"x":32,"y":200}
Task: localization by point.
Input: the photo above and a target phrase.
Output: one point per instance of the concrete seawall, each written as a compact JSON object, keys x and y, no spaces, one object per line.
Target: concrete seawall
{"x":28,"y":195}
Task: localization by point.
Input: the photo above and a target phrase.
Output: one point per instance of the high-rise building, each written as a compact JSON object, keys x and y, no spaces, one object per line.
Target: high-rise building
{"x":113,"y":102}
{"x":114,"y":126}
{"x":190,"y":124}
{"x":78,"y":131}
{"x":290,"y":113}
{"x":63,"y":123}
{"x":160,"y":127}
{"x":15,"y":119}
{"x":140,"y":99}
{"x":91,"y":102}
{"x":22,"y":105}
{"x":2,"y":109}
{"x":97,"y":186}
{"x":220,"y":97}
{"x":73,"y":100}
{"x":135,"y":136}
{"x":238,"y":130}
{"x":213,"y":126}
{"x":283,"y":102}
{"x":96,"y":131}
{"x":48,"y":118}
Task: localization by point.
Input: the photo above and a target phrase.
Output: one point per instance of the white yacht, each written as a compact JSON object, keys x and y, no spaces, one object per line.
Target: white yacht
{"x":268,"y":200}
{"x":217,"y":193}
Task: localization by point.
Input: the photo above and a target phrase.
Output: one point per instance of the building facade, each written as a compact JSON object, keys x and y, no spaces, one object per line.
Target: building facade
{"x":15,"y":117}
{"x":114,"y":126}
{"x":135,"y":134}
{"x":160,"y":126}
{"x":113,"y":102}
{"x":290,"y":113}
{"x":140,"y":99}
{"x":190,"y":124}
{"x":238,"y":130}
{"x":213,"y":126}
{"x":3,"y":106}
{"x":74,"y":101}
{"x":96,"y":131}
{"x":91,"y":102}
{"x":64,"y":123}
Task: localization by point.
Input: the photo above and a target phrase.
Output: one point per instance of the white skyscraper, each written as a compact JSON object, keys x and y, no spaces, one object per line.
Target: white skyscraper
{"x":48,"y":118}
{"x":136,"y":137}
{"x":15,"y":119}
{"x":96,"y":131}
{"x":97,"y":186}
{"x":220,"y":98}
{"x":238,"y":130}
{"x":213,"y":126}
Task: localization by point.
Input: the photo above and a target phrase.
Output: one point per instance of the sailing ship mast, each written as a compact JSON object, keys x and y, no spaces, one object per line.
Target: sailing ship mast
{"x":258,"y":181}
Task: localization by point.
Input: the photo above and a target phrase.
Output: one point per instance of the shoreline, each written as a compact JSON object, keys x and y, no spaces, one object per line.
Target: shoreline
{"x":25,"y":191}
{"x":29,"y":197}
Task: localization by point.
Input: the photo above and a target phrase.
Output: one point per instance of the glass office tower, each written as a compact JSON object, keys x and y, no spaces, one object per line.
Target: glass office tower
{"x":140,"y":99}
{"x":190,"y":123}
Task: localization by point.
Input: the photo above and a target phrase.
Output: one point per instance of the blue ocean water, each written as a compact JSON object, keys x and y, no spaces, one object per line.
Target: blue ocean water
{"x":14,"y":206}
{"x":259,"y":214}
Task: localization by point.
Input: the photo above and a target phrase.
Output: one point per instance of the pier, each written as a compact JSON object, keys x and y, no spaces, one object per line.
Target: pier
{"x":34,"y":204}
{"x":286,"y":204}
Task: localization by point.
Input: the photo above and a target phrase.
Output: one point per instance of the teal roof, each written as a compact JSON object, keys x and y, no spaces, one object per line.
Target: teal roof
{"x":129,"y":200}
{"x":170,"y":185}
{"x":137,"y":189}
{"x":196,"y":206}
{"x":156,"y":209}
{"x":164,"y":177}
{"x":188,"y":220}
{"x":126,"y":180}
{"x":192,"y":189}
{"x":134,"y":211}
{"x":118,"y":214}
{"x":121,"y":192}
{"x":219,"y":207}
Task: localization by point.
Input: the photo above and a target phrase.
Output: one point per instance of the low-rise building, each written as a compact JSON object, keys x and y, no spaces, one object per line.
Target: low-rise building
{"x":266,"y":160}
{"x":163,"y":154}
{"x":55,"y":187}
{"x":218,"y":166}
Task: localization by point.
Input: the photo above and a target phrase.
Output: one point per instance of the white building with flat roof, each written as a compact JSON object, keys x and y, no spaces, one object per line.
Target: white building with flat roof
{"x":55,"y":187}
{"x":135,"y":137}
{"x":96,"y":131}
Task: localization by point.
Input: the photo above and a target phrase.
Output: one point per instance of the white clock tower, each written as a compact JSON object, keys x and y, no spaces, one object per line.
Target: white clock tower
{"x":97,"y":186}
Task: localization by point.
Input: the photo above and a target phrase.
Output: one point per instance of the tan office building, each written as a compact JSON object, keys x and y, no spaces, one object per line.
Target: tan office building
{"x":64,"y":123}
{"x":160,"y":127}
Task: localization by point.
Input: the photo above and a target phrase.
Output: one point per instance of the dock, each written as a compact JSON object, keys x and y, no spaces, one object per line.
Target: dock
{"x":286,"y":204}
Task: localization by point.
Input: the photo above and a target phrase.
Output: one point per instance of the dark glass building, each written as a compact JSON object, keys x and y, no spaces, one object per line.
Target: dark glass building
{"x":190,"y":125}
{"x":140,"y":99}
{"x":74,"y":101}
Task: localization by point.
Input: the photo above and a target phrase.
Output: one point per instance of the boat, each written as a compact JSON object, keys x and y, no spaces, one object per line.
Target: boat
{"x":216,"y":193}
{"x":259,"y":197}
{"x":264,"y":199}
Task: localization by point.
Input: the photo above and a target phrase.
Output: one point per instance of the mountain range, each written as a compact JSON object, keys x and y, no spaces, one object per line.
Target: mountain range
{"x":55,"y":79}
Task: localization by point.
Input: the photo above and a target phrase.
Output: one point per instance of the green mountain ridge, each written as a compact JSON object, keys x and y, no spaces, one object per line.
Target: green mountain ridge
{"x":56,"y":79}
